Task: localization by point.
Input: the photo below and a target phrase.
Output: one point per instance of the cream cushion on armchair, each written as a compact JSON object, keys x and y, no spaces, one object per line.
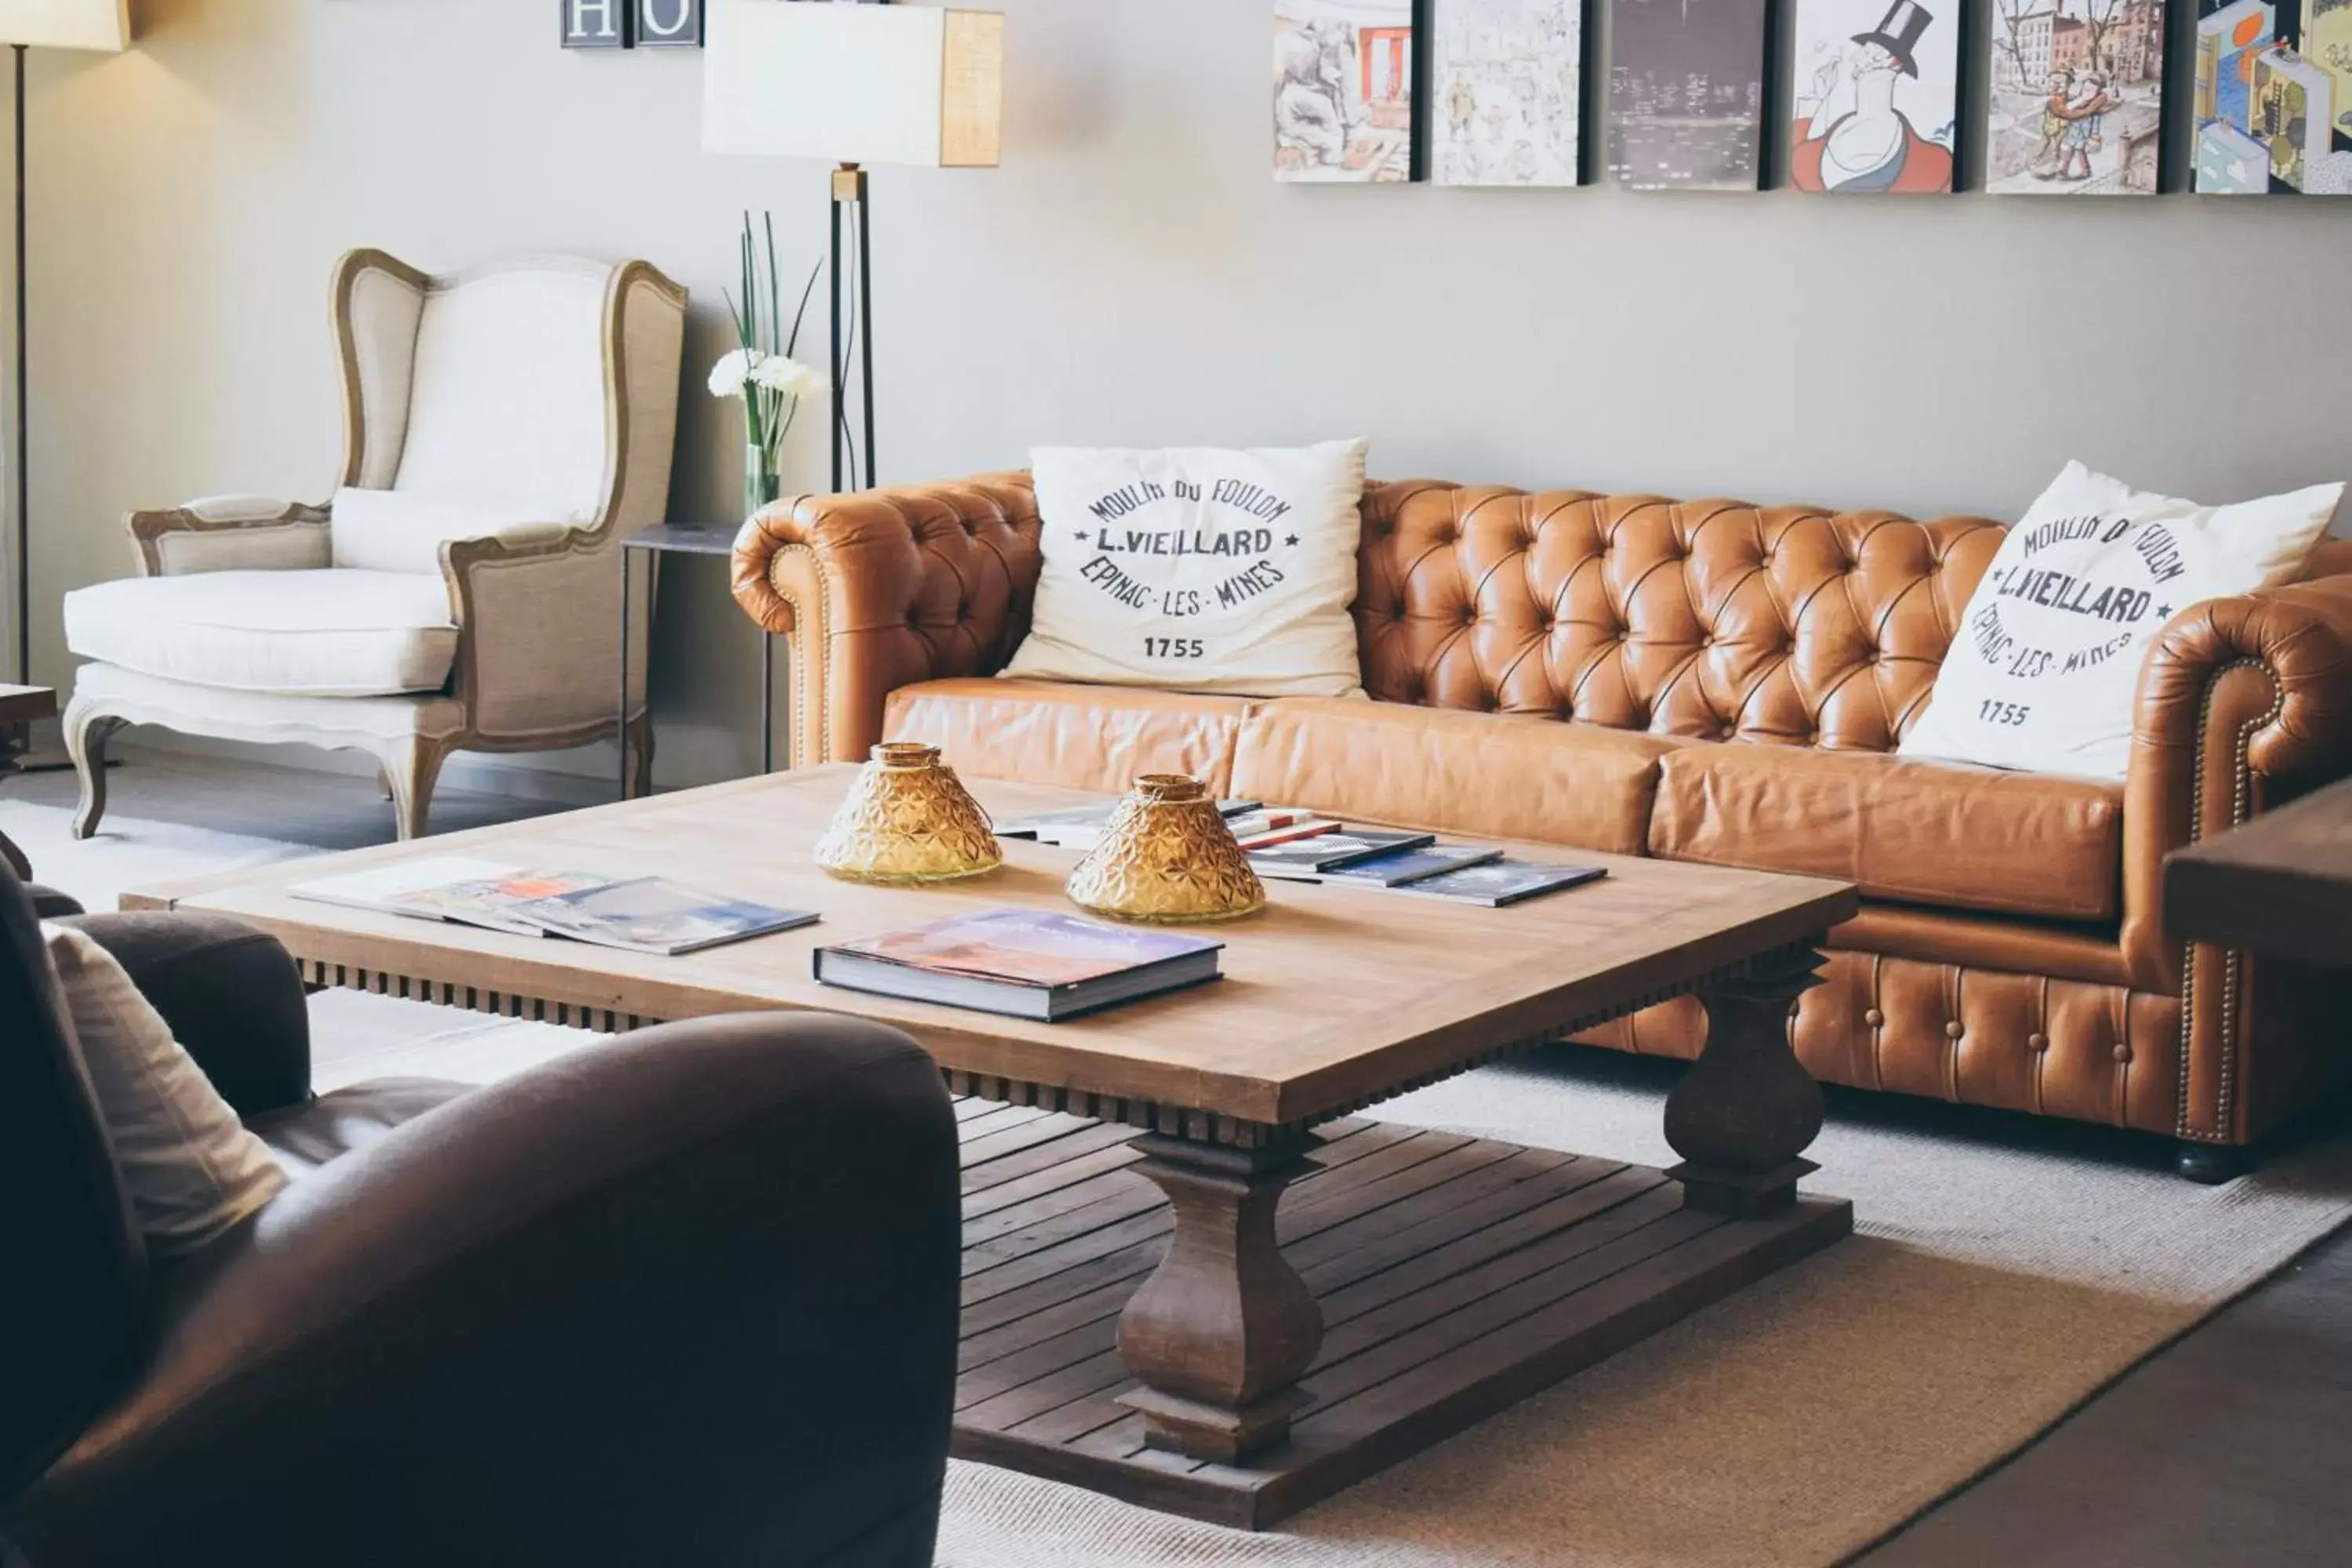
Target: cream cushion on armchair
{"x":504,"y":429}
{"x":311,"y":634}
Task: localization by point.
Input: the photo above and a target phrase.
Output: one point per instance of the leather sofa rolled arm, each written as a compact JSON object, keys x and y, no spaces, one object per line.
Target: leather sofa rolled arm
{"x":885,"y":588}
{"x":2302,"y":635}
{"x":2244,"y":703}
{"x":688,"y":1298}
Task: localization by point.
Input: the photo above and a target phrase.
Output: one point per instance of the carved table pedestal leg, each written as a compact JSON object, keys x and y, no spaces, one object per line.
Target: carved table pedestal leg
{"x":1221,"y":1332}
{"x":1743,"y":1115}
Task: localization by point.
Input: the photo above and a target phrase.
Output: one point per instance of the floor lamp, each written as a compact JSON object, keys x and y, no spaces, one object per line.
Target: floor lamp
{"x":100,"y":24}
{"x":856,"y":84}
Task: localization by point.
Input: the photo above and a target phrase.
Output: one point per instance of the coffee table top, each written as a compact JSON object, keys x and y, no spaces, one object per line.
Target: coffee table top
{"x":26,"y":704}
{"x":1333,"y":997}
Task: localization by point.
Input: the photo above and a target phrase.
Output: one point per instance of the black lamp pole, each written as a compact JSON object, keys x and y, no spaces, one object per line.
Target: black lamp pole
{"x":849,"y":189}
{"x":23,"y":424}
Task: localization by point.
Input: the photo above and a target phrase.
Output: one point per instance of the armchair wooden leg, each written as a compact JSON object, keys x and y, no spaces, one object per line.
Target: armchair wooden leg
{"x":411,"y":770}
{"x":637,"y":752}
{"x":87,"y":732}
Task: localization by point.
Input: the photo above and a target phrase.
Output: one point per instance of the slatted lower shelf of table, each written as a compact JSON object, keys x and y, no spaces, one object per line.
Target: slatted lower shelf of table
{"x":1457,"y":1275}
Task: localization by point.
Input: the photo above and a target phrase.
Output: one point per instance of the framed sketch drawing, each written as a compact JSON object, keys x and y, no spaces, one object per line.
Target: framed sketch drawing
{"x":1504,"y":89}
{"x":2077,"y":104}
{"x":1686,"y":93}
{"x":2273,"y":98}
{"x":1875,"y":96}
{"x":1343,"y":90}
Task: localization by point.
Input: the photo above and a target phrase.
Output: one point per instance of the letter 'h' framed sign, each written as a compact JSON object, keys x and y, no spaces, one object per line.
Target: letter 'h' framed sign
{"x":632,"y":24}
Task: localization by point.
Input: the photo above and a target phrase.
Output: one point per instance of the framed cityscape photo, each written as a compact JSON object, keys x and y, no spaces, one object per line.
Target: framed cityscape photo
{"x":1686,"y":93}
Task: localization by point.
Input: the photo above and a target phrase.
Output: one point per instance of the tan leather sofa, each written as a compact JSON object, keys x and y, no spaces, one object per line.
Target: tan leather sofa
{"x":1704,"y":680}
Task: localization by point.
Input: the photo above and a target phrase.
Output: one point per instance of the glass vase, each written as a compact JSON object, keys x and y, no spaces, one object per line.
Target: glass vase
{"x":761,"y":484}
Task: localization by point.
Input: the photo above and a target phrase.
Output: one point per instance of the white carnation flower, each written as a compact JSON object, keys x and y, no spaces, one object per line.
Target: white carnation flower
{"x":729,"y":376}
{"x":778,"y":373}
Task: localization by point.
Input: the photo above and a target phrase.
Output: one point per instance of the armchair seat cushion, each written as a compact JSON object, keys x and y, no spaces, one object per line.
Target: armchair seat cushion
{"x":337,"y":632}
{"x":303,"y":1138}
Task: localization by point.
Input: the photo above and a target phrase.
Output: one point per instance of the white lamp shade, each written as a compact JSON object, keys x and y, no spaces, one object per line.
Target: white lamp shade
{"x":66,"y":24}
{"x":854,"y":84}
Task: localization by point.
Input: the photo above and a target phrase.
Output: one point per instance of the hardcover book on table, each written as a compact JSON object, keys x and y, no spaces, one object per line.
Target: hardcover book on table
{"x":1500,"y":882}
{"x":1310,"y":858}
{"x":1027,"y":963}
{"x":1079,"y":827}
{"x":1403,"y":867}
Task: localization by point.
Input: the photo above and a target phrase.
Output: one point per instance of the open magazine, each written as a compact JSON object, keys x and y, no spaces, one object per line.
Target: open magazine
{"x":645,"y":914}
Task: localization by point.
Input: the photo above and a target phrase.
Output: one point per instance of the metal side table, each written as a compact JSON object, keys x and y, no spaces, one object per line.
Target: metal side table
{"x":678,"y":540}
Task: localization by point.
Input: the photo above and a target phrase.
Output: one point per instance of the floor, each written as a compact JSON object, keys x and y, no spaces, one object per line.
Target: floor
{"x":2229,"y":1449}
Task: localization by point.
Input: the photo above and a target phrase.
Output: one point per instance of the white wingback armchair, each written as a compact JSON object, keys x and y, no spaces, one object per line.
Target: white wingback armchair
{"x":504,"y":428}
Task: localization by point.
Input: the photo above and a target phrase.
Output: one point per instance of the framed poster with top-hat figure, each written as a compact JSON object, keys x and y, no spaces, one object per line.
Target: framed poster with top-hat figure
{"x":1875,"y":96}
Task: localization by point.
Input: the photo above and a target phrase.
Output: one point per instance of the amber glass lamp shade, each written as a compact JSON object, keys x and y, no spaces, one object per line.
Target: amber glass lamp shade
{"x":1168,"y":858}
{"x":908,"y":818}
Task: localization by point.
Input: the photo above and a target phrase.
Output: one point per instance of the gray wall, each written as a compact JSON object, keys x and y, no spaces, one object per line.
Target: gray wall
{"x":1131,"y":275}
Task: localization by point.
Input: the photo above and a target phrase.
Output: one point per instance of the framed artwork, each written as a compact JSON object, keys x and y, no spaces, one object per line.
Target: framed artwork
{"x":1686,"y":93}
{"x":1343,"y":90}
{"x":2076,"y":105}
{"x":2273,"y":98}
{"x":1505,"y":104}
{"x":669,"y":23}
{"x":1875,"y":96}
{"x":599,"y":24}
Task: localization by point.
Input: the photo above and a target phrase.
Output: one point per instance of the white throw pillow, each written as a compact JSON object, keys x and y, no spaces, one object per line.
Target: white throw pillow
{"x":2046,"y":668}
{"x":402,"y":530}
{"x":191,"y":1167}
{"x":1198,"y":569}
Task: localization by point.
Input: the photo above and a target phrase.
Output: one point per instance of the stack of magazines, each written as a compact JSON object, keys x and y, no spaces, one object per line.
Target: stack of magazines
{"x":1293,"y":844}
{"x":641,"y":914}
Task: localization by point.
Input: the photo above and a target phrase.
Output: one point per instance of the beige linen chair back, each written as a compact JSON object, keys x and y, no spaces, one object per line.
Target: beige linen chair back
{"x":538,"y":390}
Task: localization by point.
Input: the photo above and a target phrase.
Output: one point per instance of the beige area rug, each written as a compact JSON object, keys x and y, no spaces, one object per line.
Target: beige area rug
{"x":1992,"y":1287}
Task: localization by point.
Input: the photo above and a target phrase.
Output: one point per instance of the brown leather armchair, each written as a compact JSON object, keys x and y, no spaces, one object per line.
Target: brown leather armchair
{"x":690,"y":1298}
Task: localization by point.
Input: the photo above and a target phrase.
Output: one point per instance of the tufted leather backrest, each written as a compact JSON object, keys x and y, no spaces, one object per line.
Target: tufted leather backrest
{"x":1708,"y":619}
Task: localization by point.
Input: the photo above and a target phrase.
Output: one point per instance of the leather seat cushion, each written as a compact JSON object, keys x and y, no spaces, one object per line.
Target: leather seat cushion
{"x":1097,"y":738}
{"x":302,"y":1138}
{"x":333,"y":633}
{"x":1488,"y":774}
{"x":1926,"y":833}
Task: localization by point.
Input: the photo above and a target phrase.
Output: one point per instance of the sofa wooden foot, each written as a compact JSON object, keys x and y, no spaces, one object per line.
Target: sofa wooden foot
{"x":2210,"y":1164}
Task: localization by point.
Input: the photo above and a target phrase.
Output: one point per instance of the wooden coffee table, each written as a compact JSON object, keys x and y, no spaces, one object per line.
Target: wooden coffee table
{"x":1315,"y":1297}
